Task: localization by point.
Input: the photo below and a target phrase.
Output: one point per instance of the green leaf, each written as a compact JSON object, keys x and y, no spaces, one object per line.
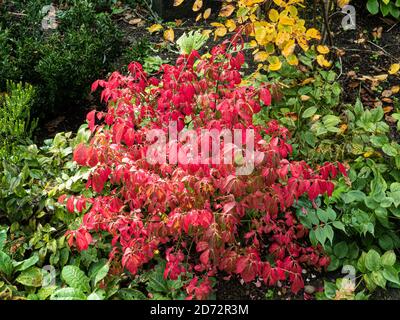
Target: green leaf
{"x":372,"y":260}
{"x":6,"y":265}
{"x":339,"y":225}
{"x":341,"y":249}
{"x":389,"y":150}
{"x":32,"y":277}
{"x":309,"y":112}
{"x":388,"y":258}
{"x":373,"y":6}
{"x":25,"y":264}
{"x":391,"y":274}
{"x":75,"y":278}
{"x":322,"y":215}
{"x":378,"y":278}
{"x":3,"y":238}
{"x":131,"y":294}
{"x":99,"y":271}
{"x":353,"y":195}
{"x":68,"y":294}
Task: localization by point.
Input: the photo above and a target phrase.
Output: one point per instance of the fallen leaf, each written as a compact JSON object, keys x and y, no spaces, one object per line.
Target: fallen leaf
{"x":387,"y":109}
{"x":394,"y":68}
{"x":155,"y":28}
{"x":395,"y":89}
{"x":134,"y":21}
{"x":322,"y":49}
{"x":386,"y":93}
{"x":207,"y":13}
{"x":197,"y":5}
{"x":169,"y":35}
{"x":178,"y":2}
{"x":226,"y":10}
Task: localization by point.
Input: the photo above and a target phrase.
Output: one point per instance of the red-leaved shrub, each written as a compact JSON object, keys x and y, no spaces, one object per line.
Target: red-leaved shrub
{"x":202,"y":218}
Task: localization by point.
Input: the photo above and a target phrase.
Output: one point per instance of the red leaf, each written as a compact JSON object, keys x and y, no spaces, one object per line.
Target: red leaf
{"x":265,"y":96}
{"x":71,"y":204}
{"x":91,"y":119}
{"x":81,"y":154}
{"x":205,"y":256}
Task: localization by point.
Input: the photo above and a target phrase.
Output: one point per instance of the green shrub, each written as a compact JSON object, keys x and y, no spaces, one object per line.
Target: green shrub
{"x":16,"y":125}
{"x":63,"y":62}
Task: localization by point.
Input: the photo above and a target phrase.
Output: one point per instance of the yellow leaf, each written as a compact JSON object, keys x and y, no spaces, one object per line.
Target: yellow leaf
{"x":199,"y":17}
{"x":280,"y":3}
{"x":207,"y":13}
{"x":178,"y":2}
{"x":286,"y":21}
{"x":289,"y":48}
{"x":226,"y":10}
{"x":197,"y":5}
{"x":322,"y":61}
{"x":230,"y":24}
{"x":261,"y":56}
{"x":155,"y":28}
{"x":169,"y":35}
{"x":342,"y":3}
{"x":217,"y":24}
{"x":395,"y":89}
{"x":292,"y":60}
{"x":313,"y":33}
{"x":274,"y":63}
{"x":220,"y":32}
{"x":343,"y":128}
{"x":322,"y":49}
{"x":273,"y":15}
{"x":368,"y":154}
{"x":394,"y":68}
{"x":206,"y":32}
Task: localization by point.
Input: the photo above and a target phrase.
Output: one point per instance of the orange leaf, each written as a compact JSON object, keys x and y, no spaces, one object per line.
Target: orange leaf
{"x":197,"y":5}
{"x":178,"y":2}
{"x":169,"y":35}
{"x":207,"y":13}
{"x":226,"y":10}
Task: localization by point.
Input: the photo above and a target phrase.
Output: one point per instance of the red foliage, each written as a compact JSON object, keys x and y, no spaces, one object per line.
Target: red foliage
{"x":207,"y":217}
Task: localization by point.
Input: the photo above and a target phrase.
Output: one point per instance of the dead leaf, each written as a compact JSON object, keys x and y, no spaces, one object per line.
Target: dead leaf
{"x":155,"y":28}
{"x":169,"y":35}
{"x":386,"y":93}
{"x":226,"y":10}
{"x":178,"y":2}
{"x":134,"y":21}
{"x":394,"y":68}
{"x":207,"y":13}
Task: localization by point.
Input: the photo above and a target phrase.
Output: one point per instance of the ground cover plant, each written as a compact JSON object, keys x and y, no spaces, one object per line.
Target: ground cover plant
{"x":96,"y":208}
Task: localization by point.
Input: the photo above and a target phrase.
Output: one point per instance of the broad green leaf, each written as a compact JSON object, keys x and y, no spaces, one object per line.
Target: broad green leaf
{"x":309,"y":112}
{"x":75,"y":278}
{"x":388,"y":258}
{"x":341,"y":249}
{"x":391,"y":274}
{"x":32,"y":277}
{"x":6,"y":266}
{"x":378,"y":278}
{"x":68,"y":294}
{"x":372,"y":260}
{"x":99,"y":271}
{"x":25,"y":264}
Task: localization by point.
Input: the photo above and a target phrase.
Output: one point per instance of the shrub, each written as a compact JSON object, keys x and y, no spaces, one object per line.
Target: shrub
{"x":201,"y":218}
{"x":60,"y":63}
{"x":16,"y":125}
